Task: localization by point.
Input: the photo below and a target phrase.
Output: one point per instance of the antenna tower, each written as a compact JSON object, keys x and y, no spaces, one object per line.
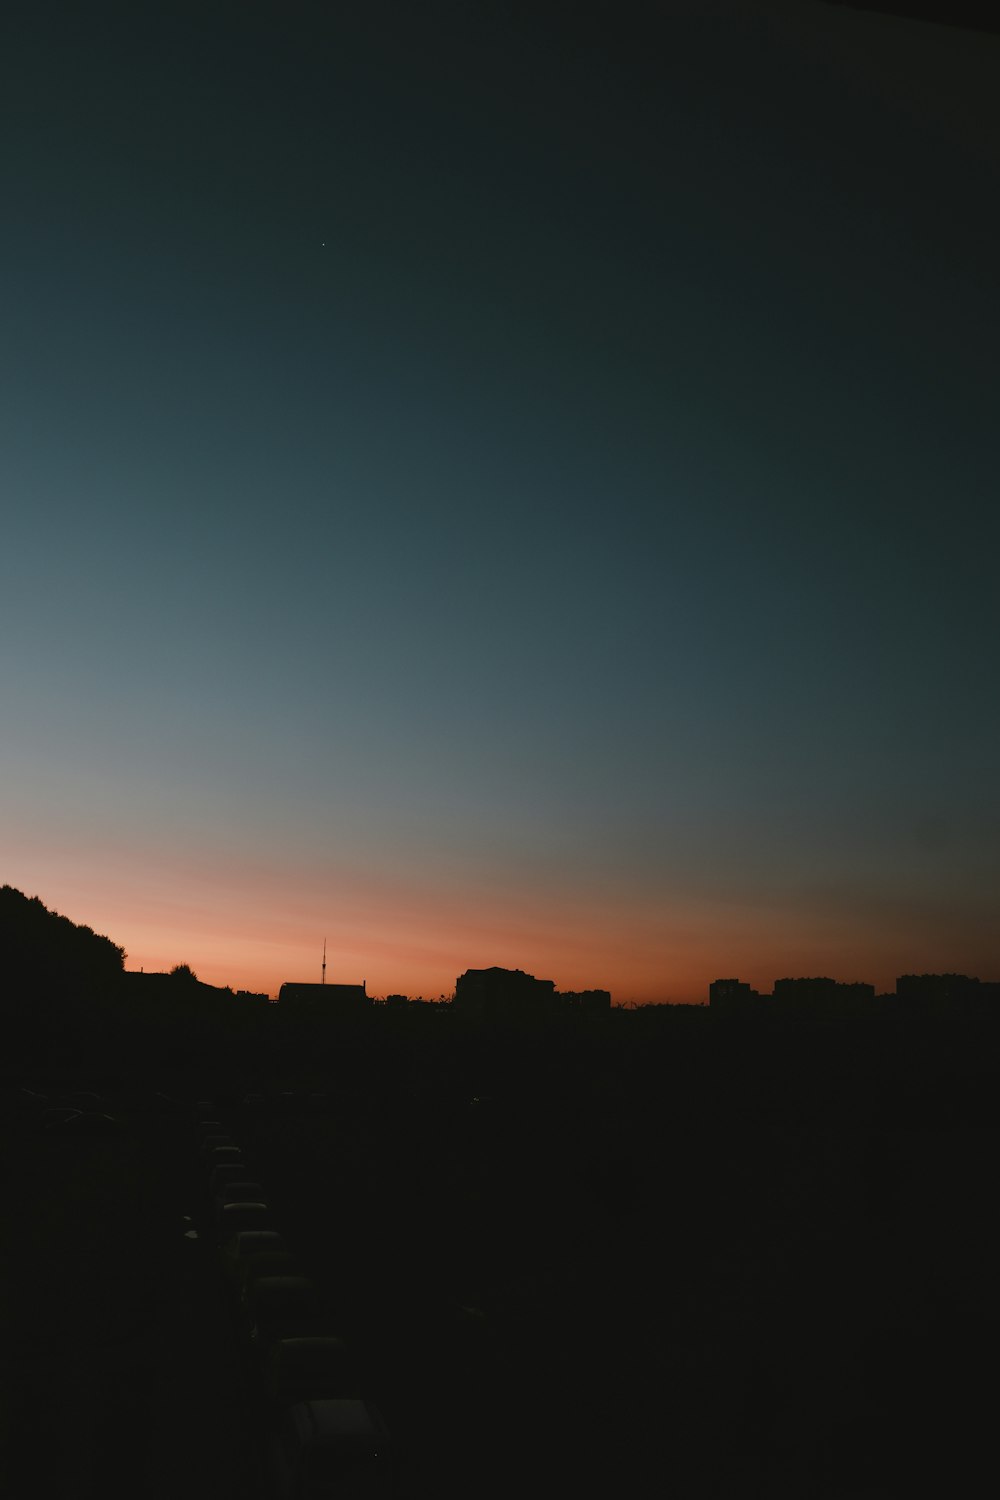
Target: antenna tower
{"x":324,"y":960}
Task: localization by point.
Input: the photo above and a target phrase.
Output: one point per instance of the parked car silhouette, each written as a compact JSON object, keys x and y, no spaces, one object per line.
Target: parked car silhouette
{"x":281,"y":1307}
{"x":252,"y":1268}
{"x":233,"y":1218}
{"x":331,"y":1450}
{"x":221,"y":1155}
{"x":312,"y":1368}
{"x":210,"y":1143}
{"x":79,"y":1121}
{"x":56,"y":1116}
{"x":239,"y":1191}
{"x":227,"y":1171}
{"x":88,"y":1122}
{"x":236,"y":1251}
{"x":84,"y":1100}
{"x":254,"y":1242}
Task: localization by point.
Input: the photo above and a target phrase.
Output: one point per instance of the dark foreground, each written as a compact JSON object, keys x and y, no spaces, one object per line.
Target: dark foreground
{"x":663,"y":1254}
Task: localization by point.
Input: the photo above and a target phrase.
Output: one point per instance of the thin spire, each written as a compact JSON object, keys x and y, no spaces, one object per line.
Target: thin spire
{"x":324,"y":960}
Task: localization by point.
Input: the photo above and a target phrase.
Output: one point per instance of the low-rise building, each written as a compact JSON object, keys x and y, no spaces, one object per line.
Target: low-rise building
{"x":324,"y":997}
{"x":822,"y":997}
{"x":731,"y":994}
{"x":585,"y":1002}
{"x":945,"y":994}
{"x":510,"y":994}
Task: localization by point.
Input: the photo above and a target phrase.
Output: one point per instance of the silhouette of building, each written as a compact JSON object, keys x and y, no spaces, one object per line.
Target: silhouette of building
{"x":585,"y":1002}
{"x":325,"y":997}
{"x":941,"y":994}
{"x":505,"y":994}
{"x":822,"y":997}
{"x":731,"y":994}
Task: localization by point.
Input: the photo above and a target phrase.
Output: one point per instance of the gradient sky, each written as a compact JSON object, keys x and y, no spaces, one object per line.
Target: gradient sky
{"x":485,"y":487}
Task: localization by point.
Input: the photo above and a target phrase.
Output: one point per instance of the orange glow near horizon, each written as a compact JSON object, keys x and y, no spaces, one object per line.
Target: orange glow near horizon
{"x":253,"y":930}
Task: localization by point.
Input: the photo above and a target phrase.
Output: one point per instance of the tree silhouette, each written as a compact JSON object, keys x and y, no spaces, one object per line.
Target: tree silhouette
{"x":45,"y":952}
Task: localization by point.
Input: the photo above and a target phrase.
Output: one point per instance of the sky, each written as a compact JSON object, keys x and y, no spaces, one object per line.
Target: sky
{"x":501,"y":484}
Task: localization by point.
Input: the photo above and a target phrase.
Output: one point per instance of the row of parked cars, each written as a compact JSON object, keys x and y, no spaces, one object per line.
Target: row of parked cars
{"x":79,"y":1112}
{"x":324,"y":1440}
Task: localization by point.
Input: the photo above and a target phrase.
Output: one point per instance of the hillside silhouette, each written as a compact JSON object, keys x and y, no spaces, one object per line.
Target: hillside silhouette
{"x":45,"y":953}
{"x":58,"y":979}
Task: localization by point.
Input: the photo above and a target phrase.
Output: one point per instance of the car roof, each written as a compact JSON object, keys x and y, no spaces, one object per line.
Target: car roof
{"x":309,"y":1353}
{"x":251,"y":1241}
{"x":283,"y":1283}
{"x":334,"y":1421}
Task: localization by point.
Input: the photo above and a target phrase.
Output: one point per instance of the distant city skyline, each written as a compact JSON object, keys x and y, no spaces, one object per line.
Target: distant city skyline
{"x":498,"y":485}
{"x":494,"y":982}
{"x":396,"y":976}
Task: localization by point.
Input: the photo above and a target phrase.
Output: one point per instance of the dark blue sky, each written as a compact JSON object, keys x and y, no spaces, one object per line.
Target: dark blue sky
{"x":490,"y":487}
